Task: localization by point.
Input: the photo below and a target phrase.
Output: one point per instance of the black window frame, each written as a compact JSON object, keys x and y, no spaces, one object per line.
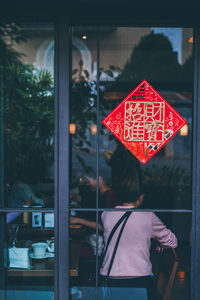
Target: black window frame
{"x":63,"y":26}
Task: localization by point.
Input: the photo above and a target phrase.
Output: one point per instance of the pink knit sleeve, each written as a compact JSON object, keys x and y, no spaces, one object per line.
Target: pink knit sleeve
{"x":162,"y":234}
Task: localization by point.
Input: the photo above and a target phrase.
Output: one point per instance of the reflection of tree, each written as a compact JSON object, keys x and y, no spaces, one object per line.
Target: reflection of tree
{"x":84,"y":113}
{"x":29,"y":123}
{"x":83,"y":108}
{"x":10,"y":34}
{"x":152,"y":59}
{"x":28,"y":109}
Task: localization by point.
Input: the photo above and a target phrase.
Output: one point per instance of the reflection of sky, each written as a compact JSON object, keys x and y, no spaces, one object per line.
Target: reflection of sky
{"x":175,"y":37}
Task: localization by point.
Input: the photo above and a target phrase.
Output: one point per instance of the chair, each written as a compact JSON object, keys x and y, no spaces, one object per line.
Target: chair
{"x":166,"y":273}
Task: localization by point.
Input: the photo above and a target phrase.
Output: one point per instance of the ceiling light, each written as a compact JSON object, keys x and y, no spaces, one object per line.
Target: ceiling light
{"x":191,"y":40}
{"x":72,"y":128}
{"x":184,"y":130}
{"x":93,"y":129}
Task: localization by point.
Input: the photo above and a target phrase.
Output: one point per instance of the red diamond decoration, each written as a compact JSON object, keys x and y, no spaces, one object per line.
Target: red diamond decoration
{"x":144,"y":122}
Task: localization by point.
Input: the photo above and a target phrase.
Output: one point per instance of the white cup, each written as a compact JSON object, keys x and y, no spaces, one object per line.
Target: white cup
{"x":51,"y":246}
{"x":39,"y":249}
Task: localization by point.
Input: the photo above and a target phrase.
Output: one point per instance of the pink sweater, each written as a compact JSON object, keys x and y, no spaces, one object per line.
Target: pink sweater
{"x":132,"y":256}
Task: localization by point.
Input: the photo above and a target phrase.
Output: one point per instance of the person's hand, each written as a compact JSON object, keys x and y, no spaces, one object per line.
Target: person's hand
{"x":28,"y":202}
{"x":92,"y":182}
{"x":75,"y":220}
{"x":102,"y":186}
{"x":139,"y":201}
{"x":160,"y":249}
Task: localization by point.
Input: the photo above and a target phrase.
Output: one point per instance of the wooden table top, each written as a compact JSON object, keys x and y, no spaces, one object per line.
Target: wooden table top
{"x":45,"y":267}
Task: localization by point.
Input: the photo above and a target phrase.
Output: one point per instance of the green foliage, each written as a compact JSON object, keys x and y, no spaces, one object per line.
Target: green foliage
{"x":29,"y":126}
{"x":84,"y":113}
{"x":10,"y":34}
{"x":83,"y":108}
{"x":27,"y":104}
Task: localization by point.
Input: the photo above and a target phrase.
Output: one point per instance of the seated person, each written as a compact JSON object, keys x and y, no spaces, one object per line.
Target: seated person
{"x":108,"y":196}
{"x":21,"y":195}
{"x":92,"y":224}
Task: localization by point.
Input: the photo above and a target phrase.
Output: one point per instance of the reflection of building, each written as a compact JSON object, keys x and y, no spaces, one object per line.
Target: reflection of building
{"x":116,"y":45}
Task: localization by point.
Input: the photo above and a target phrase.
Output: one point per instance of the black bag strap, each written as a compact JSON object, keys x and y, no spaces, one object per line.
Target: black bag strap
{"x":125,"y":219}
{"x":114,"y":229}
{"x":117,"y":243}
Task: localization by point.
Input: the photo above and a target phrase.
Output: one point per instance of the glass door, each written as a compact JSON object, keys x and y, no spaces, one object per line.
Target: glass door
{"x":108,"y":63}
{"x":27,"y":160}
{"x":66,"y":179}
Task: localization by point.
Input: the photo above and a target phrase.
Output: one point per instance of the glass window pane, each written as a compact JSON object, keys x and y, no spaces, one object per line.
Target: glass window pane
{"x":143,"y":246}
{"x":181,"y":225}
{"x":27,"y":111}
{"x":146,"y":247}
{"x":163,"y":57}
{"x":30,"y":255}
{"x":82,"y":253}
{"x":83,"y":118}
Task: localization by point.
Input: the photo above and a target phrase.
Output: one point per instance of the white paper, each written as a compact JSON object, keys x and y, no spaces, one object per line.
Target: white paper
{"x":49,"y":220}
{"x":19,"y":258}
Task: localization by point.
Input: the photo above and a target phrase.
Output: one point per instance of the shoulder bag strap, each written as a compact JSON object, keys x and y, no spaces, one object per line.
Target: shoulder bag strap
{"x":113,"y":231}
{"x":125,"y":219}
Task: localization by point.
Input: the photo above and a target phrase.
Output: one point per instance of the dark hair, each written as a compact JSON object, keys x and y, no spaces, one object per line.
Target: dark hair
{"x":126,"y":196}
